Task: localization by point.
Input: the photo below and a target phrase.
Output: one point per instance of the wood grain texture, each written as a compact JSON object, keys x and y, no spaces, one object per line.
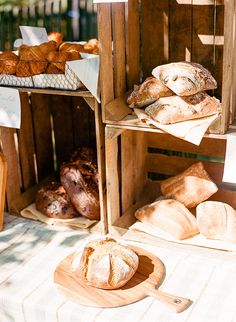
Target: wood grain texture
{"x":150,"y":273}
{"x":3,"y":181}
{"x":26,"y":143}
{"x":42,"y":135}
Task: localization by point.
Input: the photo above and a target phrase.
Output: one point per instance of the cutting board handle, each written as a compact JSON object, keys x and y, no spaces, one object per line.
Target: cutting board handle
{"x":176,"y":303}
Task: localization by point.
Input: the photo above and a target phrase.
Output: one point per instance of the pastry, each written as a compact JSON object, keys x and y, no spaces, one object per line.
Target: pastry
{"x":148,"y":92}
{"x":170,"y":216}
{"x":46,"y":47}
{"x":173,"y":109}
{"x":217,"y":220}
{"x":105,"y":264}
{"x":52,"y":201}
{"x":185,"y":78}
{"x":56,"y":36}
{"x":91,"y":46}
{"x":190,"y":187}
{"x":34,"y":58}
{"x":8,"y":63}
{"x":67,"y":46}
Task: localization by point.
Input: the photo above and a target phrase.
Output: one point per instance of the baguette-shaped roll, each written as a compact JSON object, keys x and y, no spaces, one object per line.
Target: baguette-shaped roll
{"x":217,"y":220}
{"x":185,"y":78}
{"x":173,"y":109}
{"x":190,"y":187}
{"x":170,"y":216}
{"x":148,"y":92}
{"x":105,"y":264}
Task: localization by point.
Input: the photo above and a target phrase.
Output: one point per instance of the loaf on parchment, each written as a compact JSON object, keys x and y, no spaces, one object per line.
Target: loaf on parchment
{"x":147,"y":93}
{"x":190,"y":187}
{"x":105,"y":263}
{"x":173,"y":109}
{"x":217,"y":220}
{"x":185,"y":78}
{"x":170,"y":216}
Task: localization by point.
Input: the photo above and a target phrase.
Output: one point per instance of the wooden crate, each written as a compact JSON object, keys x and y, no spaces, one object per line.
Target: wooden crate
{"x":136,"y":162}
{"x":52,"y":127}
{"x":139,"y":35}
{"x":3,"y":179}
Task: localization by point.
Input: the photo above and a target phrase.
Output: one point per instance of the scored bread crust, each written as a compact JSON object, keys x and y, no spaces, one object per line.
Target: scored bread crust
{"x":105,"y":264}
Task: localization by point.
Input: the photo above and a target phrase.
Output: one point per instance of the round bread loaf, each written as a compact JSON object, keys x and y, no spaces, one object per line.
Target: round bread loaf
{"x":105,"y":263}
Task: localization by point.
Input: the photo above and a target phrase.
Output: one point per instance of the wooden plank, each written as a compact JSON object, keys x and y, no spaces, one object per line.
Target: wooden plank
{"x":208,"y":146}
{"x":9,"y":149}
{"x":26,"y":144}
{"x":203,"y":35}
{"x":3,"y":181}
{"x":42,"y":134}
{"x":118,"y":24}
{"x":82,"y":92}
{"x":118,"y":109}
{"x":61,"y":110}
{"x":112,"y":179}
{"x":106,"y":62}
{"x":132,"y":43}
{"x":227,"y":63}
{"x":233,"y":101}
{"x":100,"y":143}
{"x":180,"y":31}
{"x":173,"y":165}
{"x":154,"y":34}
{"x":81,"y":123}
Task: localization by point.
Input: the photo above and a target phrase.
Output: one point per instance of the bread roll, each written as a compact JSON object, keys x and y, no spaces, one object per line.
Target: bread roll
{"x":105,"y":264}
{"x":190,"y":187}
{"x":8,"y":63}
{"x":217,"y":220}
{"x":170,"y":216}
{"x":185,"y":78}
{"x":148,"y":92}
{"x":169,"y":110}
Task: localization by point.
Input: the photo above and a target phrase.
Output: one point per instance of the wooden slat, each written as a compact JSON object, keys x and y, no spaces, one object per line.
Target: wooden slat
{"x":154,"y":34}
{"x":62,"y":124}
{"x":106,"y":62}
{"x":26,"y":144}
{"x":3,"y":180}
{"x":227,"y":62}
{"x":180,"y":31}
{"x":132,"y":43}
{"x":100,"y":143}
{"x":173,"y":165}
{"x":118,"y":24}
{"x":82,"y":92}
{"x":112,"y":178}
{"x":42,"y":134}
{"x":9,"y":150}
{"x":203,"y":35}
{"x":207,"y":147}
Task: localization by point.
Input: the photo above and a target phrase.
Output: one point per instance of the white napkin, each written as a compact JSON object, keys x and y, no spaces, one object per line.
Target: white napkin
{"x":191,"y":130}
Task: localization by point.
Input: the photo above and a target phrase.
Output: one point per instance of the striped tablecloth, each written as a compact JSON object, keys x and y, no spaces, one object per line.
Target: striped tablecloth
{"x":30,"y":252}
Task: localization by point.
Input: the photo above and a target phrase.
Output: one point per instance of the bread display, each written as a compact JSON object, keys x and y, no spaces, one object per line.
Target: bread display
{"x":190,"y":187}
{"x":105,"y":264}
{"x":185,"y":78}
{"x":170,"y":216}
{"x":53,"y":201}
{"x":217,"y":220}
{"x":173,"y":109}
{"x":8,"y":63}
{"x":148,"y":92}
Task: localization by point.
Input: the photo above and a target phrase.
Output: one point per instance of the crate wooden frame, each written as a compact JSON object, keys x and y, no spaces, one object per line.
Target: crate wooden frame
{"x":129,"y":162}
{"x":29,"y":150}
{"x":126,"y":61}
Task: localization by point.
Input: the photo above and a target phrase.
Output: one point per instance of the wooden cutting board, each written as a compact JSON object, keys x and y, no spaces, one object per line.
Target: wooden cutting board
{"x":150,"y":274}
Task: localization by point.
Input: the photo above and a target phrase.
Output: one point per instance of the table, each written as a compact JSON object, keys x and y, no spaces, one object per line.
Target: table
{"x":30,"y":252}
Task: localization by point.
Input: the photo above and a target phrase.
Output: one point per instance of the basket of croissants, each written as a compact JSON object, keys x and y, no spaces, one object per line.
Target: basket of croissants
{"x":45,"y":65}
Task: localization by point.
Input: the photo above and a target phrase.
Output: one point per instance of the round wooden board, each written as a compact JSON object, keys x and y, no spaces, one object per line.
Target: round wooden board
{"x":150,"y":273}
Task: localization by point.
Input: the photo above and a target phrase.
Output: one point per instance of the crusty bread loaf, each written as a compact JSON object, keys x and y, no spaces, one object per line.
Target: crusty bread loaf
{"x":105,"y":264}
{"x":148,"y":92}
{"x":185,"y":78}
{"x":8,"y":63}
{"x":170,"y":216}
{"x":169,"y":110}
{"x":190,"y":187}
{"x":217,"y":220}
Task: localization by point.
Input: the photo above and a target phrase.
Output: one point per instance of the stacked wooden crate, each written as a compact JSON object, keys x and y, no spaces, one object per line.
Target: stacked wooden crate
{"x":136,"y":37}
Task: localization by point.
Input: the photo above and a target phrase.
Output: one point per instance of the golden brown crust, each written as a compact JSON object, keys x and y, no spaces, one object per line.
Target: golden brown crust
{"x":8,"y":63}
{"x":56,"y":36}
{"x":46,"y":47}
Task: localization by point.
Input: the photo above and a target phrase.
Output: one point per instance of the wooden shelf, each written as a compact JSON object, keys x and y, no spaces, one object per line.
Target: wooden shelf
{"x":81,"y":93}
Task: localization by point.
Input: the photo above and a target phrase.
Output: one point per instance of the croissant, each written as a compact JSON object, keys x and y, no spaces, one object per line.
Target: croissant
{"x":8,"y":63}
{"x":34,"y":58}
{"x":58,"y":59}
{"x":66,"y":46}
{"x":46,"y":47}
{"x":23,"y":69}
{"x":56,"y":36}
{"x":91,"y":46}
{"x":52,"y":69}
